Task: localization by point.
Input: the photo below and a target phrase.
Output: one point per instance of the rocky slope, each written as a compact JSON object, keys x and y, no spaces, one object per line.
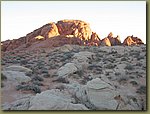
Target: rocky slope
{"x":73,"y":77}
{"x":65,"y":32}
{"x":67,"y":66}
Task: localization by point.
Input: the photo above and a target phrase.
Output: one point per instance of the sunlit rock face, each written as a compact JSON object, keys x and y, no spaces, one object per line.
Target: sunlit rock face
{"x":77,"y":28}
{"x":130,"y":40}
{"x":74,"y":32}
{"x":105,"y":42}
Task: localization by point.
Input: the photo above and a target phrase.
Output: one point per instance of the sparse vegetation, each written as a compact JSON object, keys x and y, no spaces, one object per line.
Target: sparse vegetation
{"x":37,"y":78}
{"x":34,"y":88}
{"x":129,"y":67}
{"x":37,"y":83}
{"x":117,"y":73}
{"x":61,"y":80}
{"x":110,"y":66}
{"x":3,"y":77}
{"x":134,"y":83}
{"x":124,"y":59}
{"x":141,"y":90}
{"x":123,"y":79}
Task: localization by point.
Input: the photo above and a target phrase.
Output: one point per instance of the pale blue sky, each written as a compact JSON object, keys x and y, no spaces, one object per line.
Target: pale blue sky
{"x":123,"y":18}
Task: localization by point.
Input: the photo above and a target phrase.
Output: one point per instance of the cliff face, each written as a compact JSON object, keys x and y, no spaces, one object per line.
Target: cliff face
{"x":77,"y":32}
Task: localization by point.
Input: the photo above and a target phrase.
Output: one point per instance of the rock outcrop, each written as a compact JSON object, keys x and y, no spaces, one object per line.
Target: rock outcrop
{"x":101,"y":94}
{"x":67,"y":69}
{"x":16,"y":76}
{"x":77,"y":28}
{"x":94,"y":40}
{"x":105,"y":42}
{"x":130,"y":40}
{"x":75,"y":32}
{"x":114,"y":40}
{"x":53,"y":100}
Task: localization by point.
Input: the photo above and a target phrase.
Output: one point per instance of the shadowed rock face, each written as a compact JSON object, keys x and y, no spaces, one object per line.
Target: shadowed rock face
{"x":63,"y":32}
{"x":114,"y":40}
{"x":94,"y":40}
{"x":130,"y":40}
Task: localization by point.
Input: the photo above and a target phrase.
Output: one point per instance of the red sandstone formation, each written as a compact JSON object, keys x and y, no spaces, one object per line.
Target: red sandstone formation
{"x":94,"y":40}
{"x":79,"y":29}
{"x":114,"y":40}
{"x":74,"y":32}
{"x":130,"y":40}
{"x":105,"y":42}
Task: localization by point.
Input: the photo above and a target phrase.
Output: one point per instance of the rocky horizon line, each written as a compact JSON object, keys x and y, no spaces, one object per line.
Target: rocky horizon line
{"x":76,"y":31}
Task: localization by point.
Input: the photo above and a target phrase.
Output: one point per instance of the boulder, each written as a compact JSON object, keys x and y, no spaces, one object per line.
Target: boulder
{"x":16,"y":76}
{"x":83,"y":56}
{"x":101,"y":94}
{"x":65,"y":48}
{"x":22,"y":104}
{"x":67,"y":69}
{"x":18,"y":68}
{"x":49,"y":100}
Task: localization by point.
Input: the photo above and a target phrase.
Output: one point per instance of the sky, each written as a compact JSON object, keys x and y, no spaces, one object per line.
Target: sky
{"x":123,"y":18}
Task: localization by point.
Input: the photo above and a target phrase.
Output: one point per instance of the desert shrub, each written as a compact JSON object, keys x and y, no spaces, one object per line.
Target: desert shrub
{"x":123,"y":79}
{"x":123,"y":59}
{"x":140,"y":57}
{"x":61,"y":79}
{"x":110,"y":66}
{"x":134,"y":83}
{"x":2,"y":84}
{"x":3,"y":77}
{"x":44,"y":71}
{"x":23,"y":62}
{"x":29,"y":74}
{"x":134,"y":53}
{"x":113,"y":52}
{"x":37,"y":83}
{"x":54,"y":75}
{"x":129,"y":67}
{"x":117,"y":73}
{"x":34,"y":88}
{"x":80,"y":73}
{"x":46,"y":75}
{"x":112,"y":60}
{"x":3,"y":63}
{"x":37,"y":78}
{"x":139,"y":64}
{"x":94,"y":66}
{"x":141,"y":90}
